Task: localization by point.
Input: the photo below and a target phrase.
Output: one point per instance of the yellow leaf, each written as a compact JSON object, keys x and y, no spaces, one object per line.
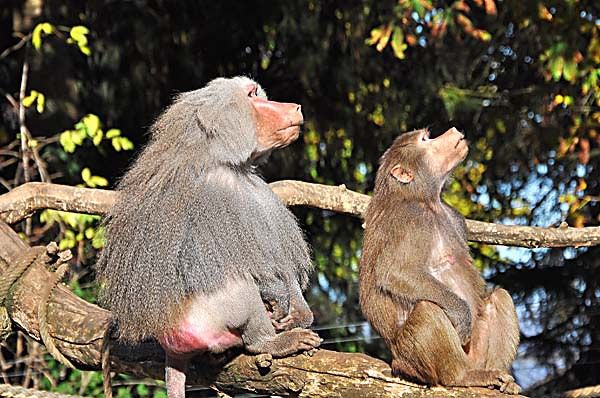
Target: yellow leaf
{"x":41,"y":102}
{"x":66,"y":140}
{"x":78,"y":34}
{"x":484,"y":35}
{"x":98,"y":138}
{"x":99,"y":181}
{"x":112,"y":133}
{"x":85,"y":50}
{"x":126,"y":144}
{"x":385,"y":37}
{"x":28,"y":101}
{"x":91,"y":123}
{"x":47,"y":28}
{"x":375,"y":36}
{"x":36,"y":36}
{"x":116,"y":144}
{"x":86,"y":174}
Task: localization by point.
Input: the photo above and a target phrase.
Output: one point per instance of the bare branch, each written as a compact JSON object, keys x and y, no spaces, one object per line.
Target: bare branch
{"x":22,"y":126}
{"x":22,"y":41}
{"x":24,"y":200}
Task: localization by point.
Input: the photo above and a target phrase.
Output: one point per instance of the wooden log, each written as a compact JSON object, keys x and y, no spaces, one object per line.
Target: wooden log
{"x":78,"y":326}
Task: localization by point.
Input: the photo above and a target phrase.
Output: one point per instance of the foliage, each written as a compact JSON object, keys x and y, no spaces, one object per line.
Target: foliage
{"x":520,"y":78}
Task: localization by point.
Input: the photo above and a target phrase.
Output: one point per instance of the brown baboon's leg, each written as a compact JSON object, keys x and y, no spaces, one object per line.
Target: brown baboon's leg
{"x":495,"y":334}
{"x":427,"y":349}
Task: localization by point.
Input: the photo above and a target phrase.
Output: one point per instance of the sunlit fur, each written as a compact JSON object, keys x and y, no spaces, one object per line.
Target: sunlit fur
{"x":192,"y":214}
{"x":418,"y":287}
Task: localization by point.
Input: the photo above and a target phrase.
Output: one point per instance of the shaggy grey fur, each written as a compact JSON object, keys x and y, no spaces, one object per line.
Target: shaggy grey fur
{"x":192,"y":214}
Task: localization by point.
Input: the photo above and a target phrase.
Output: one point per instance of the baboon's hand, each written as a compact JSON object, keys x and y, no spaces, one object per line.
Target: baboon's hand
{"x":303,"y":339}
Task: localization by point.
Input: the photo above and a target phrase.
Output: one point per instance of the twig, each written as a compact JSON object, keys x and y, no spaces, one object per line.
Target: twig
{"x":39,"y":162}
{"x":22,"y":41}
{"x":23,"y":129}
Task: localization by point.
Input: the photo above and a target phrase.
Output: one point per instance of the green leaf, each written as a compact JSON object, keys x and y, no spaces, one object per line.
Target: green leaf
{"x":89,"y":233}
{"x":570,"y":71}
{"x":66,"y":244}
{"x":98,"y":240}
{"x":556,"y":67}
{"x":418,"y":7}
{"x":398,"y":44}
{"x":142,"y":390}
{"x":159,"y":394}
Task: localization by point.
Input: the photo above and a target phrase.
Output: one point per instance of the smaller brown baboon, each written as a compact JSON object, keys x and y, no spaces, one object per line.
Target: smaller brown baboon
{"x":418,"y":287}
{"x":197,"y":242}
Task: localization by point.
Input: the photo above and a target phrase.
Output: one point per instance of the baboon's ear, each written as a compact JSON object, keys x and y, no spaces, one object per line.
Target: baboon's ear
{"x":402,"y":174}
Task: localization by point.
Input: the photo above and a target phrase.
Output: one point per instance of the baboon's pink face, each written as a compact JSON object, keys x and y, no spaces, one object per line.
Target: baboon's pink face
{"x":440,"y":155}
{"x":445,"y":152}
{"x":277,"y":123}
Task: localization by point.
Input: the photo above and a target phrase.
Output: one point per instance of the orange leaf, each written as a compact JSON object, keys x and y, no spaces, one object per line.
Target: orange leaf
{"x":543,"y":13}
{"x":490,"y":7}
{"x":578,"y":221}
{"x":464,"y":22}
{"x":584,"y":151}
{"x":462,"y":6}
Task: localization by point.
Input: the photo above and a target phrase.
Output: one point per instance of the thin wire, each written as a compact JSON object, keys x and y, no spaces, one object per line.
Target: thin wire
{"x":343,"y":326}
{"x":349,"y":339}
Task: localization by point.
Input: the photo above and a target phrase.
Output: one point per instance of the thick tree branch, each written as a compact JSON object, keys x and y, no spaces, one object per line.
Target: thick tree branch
{"x":24,"y":200}
{"x":77,"y":327}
